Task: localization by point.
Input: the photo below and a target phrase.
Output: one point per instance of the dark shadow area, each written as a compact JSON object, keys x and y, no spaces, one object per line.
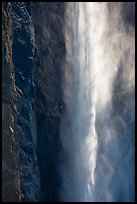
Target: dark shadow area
{"x":48,"y":21}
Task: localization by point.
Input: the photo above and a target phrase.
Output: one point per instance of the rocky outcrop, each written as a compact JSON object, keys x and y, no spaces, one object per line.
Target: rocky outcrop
{"x":10,"y":161}
{"x":23,"y":52}
{"x":33,"y":51}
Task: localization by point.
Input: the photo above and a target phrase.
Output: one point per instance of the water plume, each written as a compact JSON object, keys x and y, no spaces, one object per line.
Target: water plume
{"x":97,"y":138}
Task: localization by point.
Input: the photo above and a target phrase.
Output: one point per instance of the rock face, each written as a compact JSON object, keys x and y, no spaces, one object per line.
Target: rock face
{"x":10,"y":159}
{"x":23,"y":52}
{"x":32,"y":53}
{"x":50,"y":51}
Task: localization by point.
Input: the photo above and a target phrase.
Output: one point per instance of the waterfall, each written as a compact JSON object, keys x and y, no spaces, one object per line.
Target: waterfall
{"x":95,"y":135}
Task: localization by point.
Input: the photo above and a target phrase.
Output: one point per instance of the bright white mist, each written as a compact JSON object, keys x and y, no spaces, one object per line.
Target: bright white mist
{"x":96,"y":43}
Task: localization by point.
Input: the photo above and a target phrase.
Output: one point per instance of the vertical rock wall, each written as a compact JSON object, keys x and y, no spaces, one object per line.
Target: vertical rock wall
{"x":23,"y":52}
{"x":48,"y":21}
{"x":32,"y":53}
{"x":10,"y":160}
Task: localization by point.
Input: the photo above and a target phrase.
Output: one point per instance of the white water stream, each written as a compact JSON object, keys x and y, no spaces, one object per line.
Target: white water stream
{"x":94,"y":139}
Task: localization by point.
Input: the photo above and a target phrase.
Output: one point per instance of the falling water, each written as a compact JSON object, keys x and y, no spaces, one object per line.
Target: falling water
{"x":96,"y":136}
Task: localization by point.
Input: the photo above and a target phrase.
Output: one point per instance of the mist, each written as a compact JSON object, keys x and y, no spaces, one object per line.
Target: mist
{"x":97,"y":128}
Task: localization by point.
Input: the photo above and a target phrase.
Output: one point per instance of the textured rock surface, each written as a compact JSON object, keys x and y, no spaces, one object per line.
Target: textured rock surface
{"x":10,"y":173}
{"x":33,"y":51}
{"x":48,"y":21}
{"x":23,"y":51}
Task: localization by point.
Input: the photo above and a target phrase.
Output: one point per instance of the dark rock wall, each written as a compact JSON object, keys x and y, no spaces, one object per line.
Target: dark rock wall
{"x":23,"y":53}
{"x":48,"y":21}
{"x":33,"y":51}
{"x":10,"y":160}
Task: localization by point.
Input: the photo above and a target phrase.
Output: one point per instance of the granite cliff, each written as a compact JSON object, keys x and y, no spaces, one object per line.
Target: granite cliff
{"x":32,"y":53}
